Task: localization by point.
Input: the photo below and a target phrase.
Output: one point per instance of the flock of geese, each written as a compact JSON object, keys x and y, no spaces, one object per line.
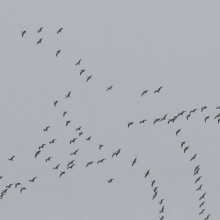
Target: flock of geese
{"x":71,"y":164}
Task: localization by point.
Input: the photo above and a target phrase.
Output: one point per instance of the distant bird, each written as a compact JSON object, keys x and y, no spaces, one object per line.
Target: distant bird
{"x":134,"y":161}
{"x":203,"y":107}
{"x":194,"y":110}
{"x":100,"y":146}
{"x":156,"y":120}
{"x":75,"y":152}
{"x":162,"y":210}
{"x":194,"y":157}
{"x":46,"y":129}
{"x":64,"y":113}
{"x":218,"y":120}
{"x":40,"y":30}
{"x":164,"y":118}
{"x":77,"y":129}
{"x":38,"y":42}
{"x":130,"y":123}
{"x":89,"y":163}
{"x":182,"y":143}
{"x":158,"y":90}
{"x":37,"y":152}
{"x":23,"y":188}
{"x":152,"y":183}
{"x":52,"y":142}
{"x":147,"y":173}
{"x":48,"y":159}
{"x":78,"y":63}
{"x":218,"y":107}
{"x":32,"y":180}
{"x":207,"y":217}
{"x":88,"y":78}
{"x":178,"y":131}
{"x":207,"y":117}
{"x":23,"y":33}
{"x":71,"y":167}
{"x":88,"y":139}
{"x":110,"y":181}
{"x":181,"y":113}
{"x":57,"y":52}
{"x":161,"y":201}
{"x":187,"y":117}
{"x":186,"y":148}
{"x":68,"y":95}
{"x":71,"y":162}
{"x":141,"y":122}
{"x":154,"y":195}
{"x":109,"y":88}
{"x":59,"y":31}
{"x":196,"y":168}
{"x":81,"y":72}
{"x":101,"y":161}
{"x":196,"y":172}
{"x":203,"y":196}
{"x":55,"y":103}
{"x":56,"y":168}
{"x":61,"y":173}
{"x":80,"y":133}
{"x":201,"y":204}
{"x":171,"y":120}
{"x":144,"y":92}
{"x":42,"y":146}
{"x":217,"y":116}
{"x":199,"y":188}
{"x":9,"y":186}
{"x":198,"y":179}
{"x":115,"y":153}
{"x":202,"y":212}
{"x":67,"y":122}
{"x":155,"y":189}
{"x":1,"y":177}
{"x":17,"y":184}
{"x":162,"y":217}
{"x":11,"y":159}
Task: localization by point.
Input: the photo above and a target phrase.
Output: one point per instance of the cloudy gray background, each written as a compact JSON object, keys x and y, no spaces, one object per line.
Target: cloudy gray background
{"x":132,"y":45}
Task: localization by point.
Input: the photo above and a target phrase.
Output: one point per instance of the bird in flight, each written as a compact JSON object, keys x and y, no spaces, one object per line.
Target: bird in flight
{"x":57,"y":52}
{"x":59,"y":31}
{"x":56,"y":168}
{"x":88,"y":139}
{"x":11,"y":159}
{"x":147,"y":173}
{"x":48,"y":159}
{"x":42,"y":146}
{"x":77,"y":129}
{"x":130,"y":123}
{"x":78,"y":63}
{"x":162,"y":210}
{"x":75,"y":152}
{"x":68,"y":95}
{"x":161,"y":201}
{"x":71,"y":167}
{"x":142,"y":122}
{"x":186,"y":148}
{"x":201,"y":204}
{"x":203,"y":196}
{"x":152,"y":183}
{"x":81,"y":72}
{"x":156,"y":120}
{"x":207,"y":217}
{"x":202,"y":212}
{"x":155,"y":189}
{"x":38,"y":42}
{"x":109,"y":88}
{"x":55,"y":103}
{"x":144,"y":92}
{"x":37,"y":152}
{"x":89,"y":163}
{"x":197,"y":167}
{"x":52,"y":142}
{"x":196,"y":172}
{"x":100,"y":146}
{"x":194,"y":110}
{"x":207,"y":117}
{"x":67,"y":122}
{"x":182,"y":143}
{"x":199,"y":188}
{"x":194,"y":157}
{"x":61,"y":173}
{"x":17,"y":184}
{"x":9,"y":186}
{"x":198,"y":179}
{"x":88,"y":78}
{"x":64,"y":113}
{"x":32,"y":180}
{"x":40,"y":30}
{"x":134,"y":161}
{"x":23,"y":33}
{"x":158,"y":90}
{"x":101,"y":161}
{"x":164,"y":118}
{"x":23,"y":188}
{"x":187,"y":117}
{"x":154,"y":195}
{"x":46,"y":129}
{"x":178,"y":131}
{"x":110,"y":181}
{"x":80,"y":133}
{"x":162,"y":217}
{"x":203,"y":107}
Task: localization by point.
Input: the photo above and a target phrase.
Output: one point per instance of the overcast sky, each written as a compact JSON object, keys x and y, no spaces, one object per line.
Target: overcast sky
{"x":134,"y":46}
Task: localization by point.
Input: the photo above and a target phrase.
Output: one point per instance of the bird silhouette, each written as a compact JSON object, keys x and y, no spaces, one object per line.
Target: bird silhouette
{"x":203,"y":196}
{"x":88,"y":78}
{"x":23,"y":188}
{"x":88,"y":139}
{"x":154,"y":195}
{"x":114,"y":154}
{"x":32,"y":180}
{"x":198,"y":179}
{"x":77,"y":129}
{"x":134,"y":161}
{"x":196,"y":172}
{"x":56,"y":168}
{"x":23,"y":33}
{"x":71,"y":167}
{"x":178,"y":131}
{"x":156,"y":120}
{"x":152,"y":183}
{"x":193,"y":158}
{"x":164,"y":118}
{"x":57,"y":52}
{"x":11,"y":159}
{"x":218,"y":107}
{"x":162,"y":210}
{"x":147,"y":173}
{"x":48,"y":159}
{"x":186,"y":148}
{"x":67,"y":122}
{"x":81,"y":72}
{"x":100,"y":146}
{"x":80,"y":133}
{"x":46,"y":129}
{"x":64,"y":113}
{"x":68,"y":95}
{"x":1,"y":177}
{"x":155,"y":189}
{"x":203,"y":107}
{"x":162,"y":217}
{"x":218,"y":120}
{"x":75,"y":152}
{"x":182,"y":143}
{"x":158,"y":90}
{"x":207,"y":117}
{"x":144,"y":92}
{"x":61,"y":173}
{"x":17,"y":184}
{"x":37,"y":152}
{"x":71,"y":162}
{"x":130,"y":123}
{"x":59,"y":31}
{"x":40,"y":30}
{"x":187,"y":117}
{"x":9,"y":186}
{"x":207,"y":217}
{"x":141,"y":122}
{"x":89,"y":163}
{"x":52,"y":142}
{"x":196,"y":168}
{"x":42,"y":146}
{"x":101,"y":161}
{"x":78,"y":63}
{"x":110,"y":181}
{"x":109,"y":88}
{"x":202,"y":212}
{"x":217,"y":116}
{"x":201,"y":204}
{"x":199,"y":188}
{"x":55,"y":103}
{"x":38,"y":42}
{"x":161,"y":201}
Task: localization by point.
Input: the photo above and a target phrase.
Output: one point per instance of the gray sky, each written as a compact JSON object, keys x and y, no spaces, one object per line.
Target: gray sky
{"x":133,"y":46}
